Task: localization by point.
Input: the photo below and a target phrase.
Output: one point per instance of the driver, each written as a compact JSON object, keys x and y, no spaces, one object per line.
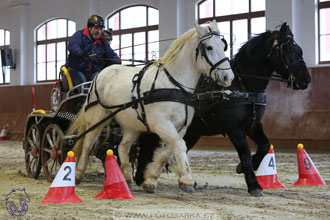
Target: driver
{"x":89,"y":52}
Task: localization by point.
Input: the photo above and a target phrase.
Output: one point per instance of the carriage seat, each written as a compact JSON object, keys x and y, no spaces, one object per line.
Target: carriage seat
{"x":66,"y":79}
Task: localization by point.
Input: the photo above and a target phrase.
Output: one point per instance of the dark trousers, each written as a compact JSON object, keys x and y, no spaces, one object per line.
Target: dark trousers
{"x":78,"y":77}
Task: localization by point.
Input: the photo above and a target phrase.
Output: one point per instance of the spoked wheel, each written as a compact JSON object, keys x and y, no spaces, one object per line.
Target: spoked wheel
{"x":31,"y":146}
{"x":51,"y":152}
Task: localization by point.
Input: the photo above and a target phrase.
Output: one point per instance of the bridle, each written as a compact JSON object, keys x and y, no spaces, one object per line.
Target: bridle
{"x":201,"y":47}
{"x":277,"y":52}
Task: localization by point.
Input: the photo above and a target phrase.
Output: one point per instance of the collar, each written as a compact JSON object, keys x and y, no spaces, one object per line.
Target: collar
{"x":86,"y":32}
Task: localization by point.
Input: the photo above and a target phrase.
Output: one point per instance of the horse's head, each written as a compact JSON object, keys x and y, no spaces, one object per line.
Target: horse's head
{"x":210,"y":55}
{"x":286,"y":57}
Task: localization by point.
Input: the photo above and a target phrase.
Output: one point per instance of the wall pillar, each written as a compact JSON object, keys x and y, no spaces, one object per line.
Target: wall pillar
{"x":301,"y":17}
{"x":167,"y":24}
{"x":20,"y":41}
{"x":175,"y":18}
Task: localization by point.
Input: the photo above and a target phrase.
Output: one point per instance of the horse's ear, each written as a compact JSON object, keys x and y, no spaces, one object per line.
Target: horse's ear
{"x":283,"y":27}
{"x":214,"y":25}
{"x":201,"y":30}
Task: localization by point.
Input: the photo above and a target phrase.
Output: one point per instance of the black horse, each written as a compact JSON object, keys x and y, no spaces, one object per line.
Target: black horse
{"x":254,"y":65}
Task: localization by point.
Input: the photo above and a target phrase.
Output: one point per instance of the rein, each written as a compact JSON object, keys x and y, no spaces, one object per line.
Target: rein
{"x":273,"y":77}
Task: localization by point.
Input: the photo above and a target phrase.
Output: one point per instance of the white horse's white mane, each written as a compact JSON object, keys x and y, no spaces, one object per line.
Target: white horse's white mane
{"x":176,"y":46}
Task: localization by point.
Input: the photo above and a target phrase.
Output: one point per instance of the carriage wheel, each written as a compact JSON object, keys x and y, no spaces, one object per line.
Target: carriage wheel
{"x":31,"y":146}
{"x":51,"y":153}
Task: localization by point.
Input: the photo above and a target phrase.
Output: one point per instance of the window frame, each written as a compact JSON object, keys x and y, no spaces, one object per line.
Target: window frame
{"x":132,"y":31}
{"x":51,"y":41}
{"x":321,"y":5}
{"x":248,"y":15}
{"x":4,"y":46}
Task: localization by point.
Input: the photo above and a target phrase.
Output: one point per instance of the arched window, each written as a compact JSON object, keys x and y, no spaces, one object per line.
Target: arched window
{"x":324,"y":31}
{"x":4,"y":43}
{"x":52,"y":39}
{"x":135,"y":33}
{"x":237,"y":19}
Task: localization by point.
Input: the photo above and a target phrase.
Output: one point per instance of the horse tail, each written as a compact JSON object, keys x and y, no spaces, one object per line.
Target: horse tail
{"x":78,"y":125}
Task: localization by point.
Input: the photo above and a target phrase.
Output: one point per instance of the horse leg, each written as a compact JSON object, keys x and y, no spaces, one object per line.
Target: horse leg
{"x":170,"y":135}
{"x":257,"y":134}
{"x":190,"y":139}
{"x":148,"y":143}
{"x":87,"y":146}
{"x":259,"y":137}
{"x":153,"y":170}
{"x":77,"y":149}
{"x":129,"y":137}
{"x":238,"y":138}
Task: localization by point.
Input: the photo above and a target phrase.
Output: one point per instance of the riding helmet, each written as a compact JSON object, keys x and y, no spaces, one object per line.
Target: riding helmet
{"x":95,"y":20}
{"x":107,"y":34}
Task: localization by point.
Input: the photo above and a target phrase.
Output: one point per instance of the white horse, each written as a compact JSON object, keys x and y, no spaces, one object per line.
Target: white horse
{"x":199,"y":50}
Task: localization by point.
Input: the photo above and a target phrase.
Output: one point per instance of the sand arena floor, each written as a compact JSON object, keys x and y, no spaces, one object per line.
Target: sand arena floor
{"x":221,"y":193}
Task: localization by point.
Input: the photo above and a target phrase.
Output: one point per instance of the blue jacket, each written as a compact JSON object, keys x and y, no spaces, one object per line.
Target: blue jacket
{"x":104,"y":55}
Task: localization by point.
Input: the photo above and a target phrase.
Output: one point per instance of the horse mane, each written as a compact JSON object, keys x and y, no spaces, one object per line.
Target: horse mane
{"x":254,"y":43}
{"x":175,"y":47}
{"x":252,"y":59}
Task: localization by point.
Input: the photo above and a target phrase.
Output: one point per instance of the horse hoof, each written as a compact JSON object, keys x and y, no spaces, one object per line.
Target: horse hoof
{"x":150,"y":189}
{"x":239,"y":168}
{"x":187,"y":189}
{"x":256,"y":193}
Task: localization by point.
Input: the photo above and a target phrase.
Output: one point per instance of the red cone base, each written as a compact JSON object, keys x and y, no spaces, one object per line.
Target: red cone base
{"x":269,"y":182}
{"x":115,"y":191}
{"x":308,"y":174}
{"x":60,"y":195}
{"x":114,"y":184}
{"x":310,"y":181}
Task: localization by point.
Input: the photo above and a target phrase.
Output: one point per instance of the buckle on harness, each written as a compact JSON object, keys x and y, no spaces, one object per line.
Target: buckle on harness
{"x":201,"y":96}
{"x":136,"y":78}
{"x":134,"y":103}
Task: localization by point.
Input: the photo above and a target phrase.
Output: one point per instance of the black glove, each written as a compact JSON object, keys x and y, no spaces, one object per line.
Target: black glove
{"x":83,"y":55}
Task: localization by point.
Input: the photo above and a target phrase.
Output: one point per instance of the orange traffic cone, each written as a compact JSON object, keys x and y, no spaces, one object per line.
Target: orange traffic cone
{"x":63,"y":186}
{"x":114,"y":185}
{"x":308,"y":174}
{"x":266,"y":173}
{"x":3,"y":133}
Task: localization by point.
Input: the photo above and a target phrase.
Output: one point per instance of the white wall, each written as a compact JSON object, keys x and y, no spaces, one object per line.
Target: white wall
{"x":22,"y":17}
{"x":301,"y":16}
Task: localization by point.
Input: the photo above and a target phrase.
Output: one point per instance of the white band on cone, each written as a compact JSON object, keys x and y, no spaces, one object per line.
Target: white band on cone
{"x":65,"y":176}
{"x":267,"y":165}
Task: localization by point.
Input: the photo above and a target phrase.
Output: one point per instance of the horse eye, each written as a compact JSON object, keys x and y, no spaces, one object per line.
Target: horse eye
{"x":209,"y":48}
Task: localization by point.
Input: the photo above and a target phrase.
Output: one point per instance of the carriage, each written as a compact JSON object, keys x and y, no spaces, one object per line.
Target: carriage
{"x":45,"y":145}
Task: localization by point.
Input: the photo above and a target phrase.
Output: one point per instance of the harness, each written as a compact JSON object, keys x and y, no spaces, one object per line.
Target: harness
{"x":242,"y":97}
{"x":179,"y":94}
{"x":259,"y":98}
